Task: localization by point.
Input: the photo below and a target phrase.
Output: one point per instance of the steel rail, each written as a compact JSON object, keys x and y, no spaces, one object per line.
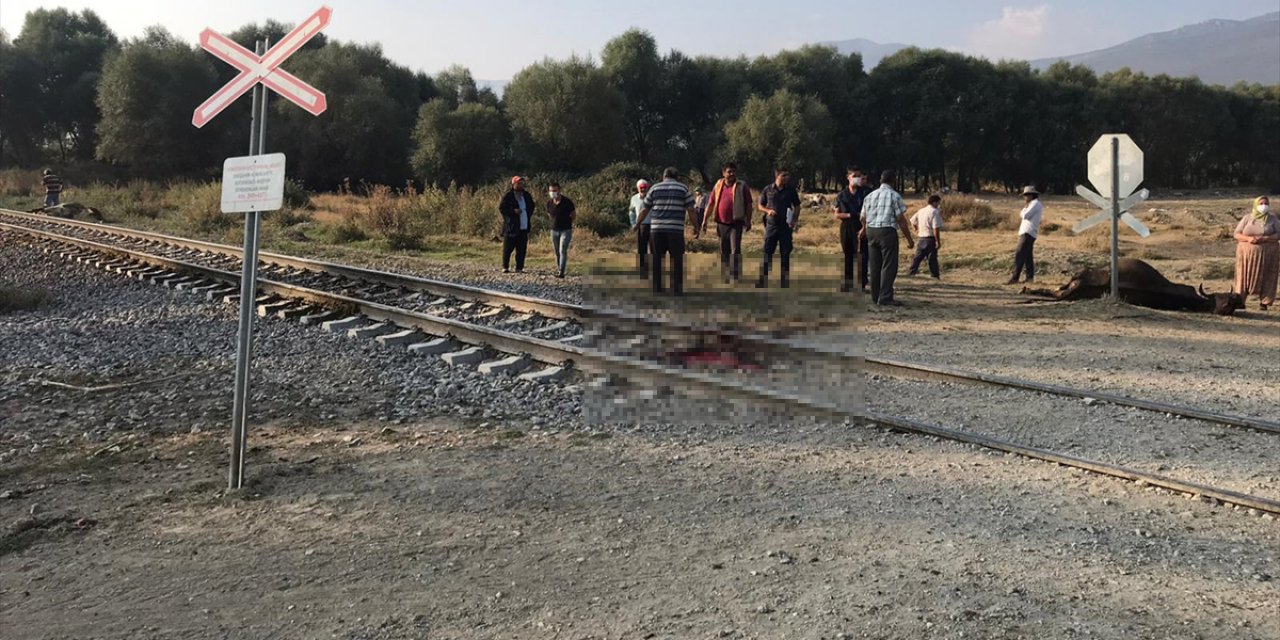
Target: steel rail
{"x":796,"y":346}
{"x":513,"y":301}
{"x":561,"y":310}
{"x":657,"y":375}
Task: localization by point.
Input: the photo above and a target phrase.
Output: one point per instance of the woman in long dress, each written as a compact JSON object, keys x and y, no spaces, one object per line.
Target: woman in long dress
{"x":1258,"y":253}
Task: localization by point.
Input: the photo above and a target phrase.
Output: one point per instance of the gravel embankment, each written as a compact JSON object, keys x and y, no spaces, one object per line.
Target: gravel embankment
{"x":1189,"y":450}
{"x":102,"y":329}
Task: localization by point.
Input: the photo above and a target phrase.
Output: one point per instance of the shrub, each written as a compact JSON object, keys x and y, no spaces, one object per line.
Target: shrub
{"x":966,"y":213}
{"x":296,"y":195}
{"x":20,"y":183}
{"x":202,"y":208}
{"x":391,"y":217}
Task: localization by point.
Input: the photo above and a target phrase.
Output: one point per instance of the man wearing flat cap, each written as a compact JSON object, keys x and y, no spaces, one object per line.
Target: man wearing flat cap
{"x":1028,"y":230}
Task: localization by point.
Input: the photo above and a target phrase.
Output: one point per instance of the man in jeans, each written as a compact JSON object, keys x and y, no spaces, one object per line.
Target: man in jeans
{"x":52,"y":188}
{"x":730,"y":206}
{"x":882,"y":210}
{"x":516,"y":207}
{"x":642,"y":231}
{"x":666,"y":207}
{"x":853,"y":243}
{"x":562,"y":213}
{"x":780,"y":204}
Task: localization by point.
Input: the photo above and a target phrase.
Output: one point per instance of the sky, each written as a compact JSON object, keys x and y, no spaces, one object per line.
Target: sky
{"x":497,"y":38}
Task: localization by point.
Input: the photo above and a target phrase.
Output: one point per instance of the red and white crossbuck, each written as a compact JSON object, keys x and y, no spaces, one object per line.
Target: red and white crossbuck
{"x":265,"y":69}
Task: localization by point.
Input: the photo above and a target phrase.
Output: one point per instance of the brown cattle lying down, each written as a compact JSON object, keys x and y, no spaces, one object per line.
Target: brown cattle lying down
{"x":69,"y":210}
{"x":1142,"y":285}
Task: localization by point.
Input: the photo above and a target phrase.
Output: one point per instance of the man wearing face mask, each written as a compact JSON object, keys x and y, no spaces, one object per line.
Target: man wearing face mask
{"x":780,"y":204}
{"x":562,"y":213}
{"x":848,"y":210}
{"x":515,"y":207}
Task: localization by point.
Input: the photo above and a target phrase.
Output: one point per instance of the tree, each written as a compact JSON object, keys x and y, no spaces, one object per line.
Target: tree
{"x":68,"y":50}
{"x":703,"y":95}
{"x":21,"y":119}
{"x":456,"y":86}
{"x":565,"y":115}
{"x":784,"y":130}
{"x":366,"y":133}
{"x":147,"y":93}
{"x":631,"y":63}
{"x":462,"y":145}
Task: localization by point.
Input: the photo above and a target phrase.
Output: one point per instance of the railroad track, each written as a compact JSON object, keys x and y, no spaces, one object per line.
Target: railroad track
{"x":548,"y":340}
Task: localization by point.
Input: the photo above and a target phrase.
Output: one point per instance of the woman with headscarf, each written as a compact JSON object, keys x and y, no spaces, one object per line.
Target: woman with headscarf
{"x":1258,"y":253}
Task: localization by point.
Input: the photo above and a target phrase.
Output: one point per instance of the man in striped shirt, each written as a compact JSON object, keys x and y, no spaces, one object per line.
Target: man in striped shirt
{"x":666,"y":207}
{"x":52,"y":188}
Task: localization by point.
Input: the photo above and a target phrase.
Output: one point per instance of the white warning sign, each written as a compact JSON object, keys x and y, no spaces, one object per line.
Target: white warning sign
{"x":253,"y":183}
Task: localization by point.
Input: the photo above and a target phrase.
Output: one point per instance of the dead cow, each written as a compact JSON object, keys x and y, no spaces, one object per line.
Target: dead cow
{"x":1141,"y":285}
{"x":69,"y":210}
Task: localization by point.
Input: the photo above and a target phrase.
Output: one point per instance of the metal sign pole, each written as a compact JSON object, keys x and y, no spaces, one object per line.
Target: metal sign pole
{"x":248,"y":288}
{"x":1115,"y":218}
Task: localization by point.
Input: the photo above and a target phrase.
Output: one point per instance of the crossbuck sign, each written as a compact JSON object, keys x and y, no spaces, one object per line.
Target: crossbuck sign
{"x":1115,"y":167}
{"x":265,"y":69}
{"x":255,"y":183}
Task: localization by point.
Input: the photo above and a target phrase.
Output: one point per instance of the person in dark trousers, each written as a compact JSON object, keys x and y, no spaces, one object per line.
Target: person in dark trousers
{"x":562,"y":213}
{"x":1028,"y":230}
{"x":780,"y":204}
{"x":730,"y":205}
{"x":928,"y":224}
{"x":699,"y":210}
{"x":853,"y":243}
{"x":882,"y":210}
{"x":666,"y":208}
{"x":517,"y":207}
{"x":52,"y":188}
{"x":642,"y":230}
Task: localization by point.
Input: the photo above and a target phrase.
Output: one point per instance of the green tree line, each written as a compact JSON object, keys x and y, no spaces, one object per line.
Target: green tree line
{"x":72,"y":91}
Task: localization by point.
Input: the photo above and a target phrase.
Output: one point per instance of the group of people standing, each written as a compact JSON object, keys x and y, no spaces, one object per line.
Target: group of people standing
{"x":517,"y":207}
{"x":870,"y":224}
{"x":658,"y":212}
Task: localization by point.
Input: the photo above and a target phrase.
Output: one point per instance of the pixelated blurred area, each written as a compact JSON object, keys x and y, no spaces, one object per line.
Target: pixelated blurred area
{"x":710,"y":330}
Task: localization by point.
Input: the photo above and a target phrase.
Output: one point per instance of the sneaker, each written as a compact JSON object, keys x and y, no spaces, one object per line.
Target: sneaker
{"x":846,"y":287}
{"x":760,"y":284}
{"x":890,"y":303}
{"x":1012,"y":281}
{"x":506,"y":270}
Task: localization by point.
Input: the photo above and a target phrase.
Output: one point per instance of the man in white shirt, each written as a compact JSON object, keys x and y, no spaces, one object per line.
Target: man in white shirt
{"x":642,"y":231}
{"x":1028,"y":230}
{"x":928,"y":224}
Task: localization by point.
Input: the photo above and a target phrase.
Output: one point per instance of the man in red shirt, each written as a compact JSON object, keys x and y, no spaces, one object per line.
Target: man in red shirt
{"x":730,"y":206}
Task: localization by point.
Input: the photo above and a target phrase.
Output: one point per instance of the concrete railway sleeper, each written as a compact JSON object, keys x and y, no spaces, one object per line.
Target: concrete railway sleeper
{"x":554,"y":320}
{"x":496,"y":350}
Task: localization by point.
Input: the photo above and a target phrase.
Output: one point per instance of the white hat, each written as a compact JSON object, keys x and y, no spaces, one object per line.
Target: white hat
{"x":1030,"y":190}
{"x":642,"y":183}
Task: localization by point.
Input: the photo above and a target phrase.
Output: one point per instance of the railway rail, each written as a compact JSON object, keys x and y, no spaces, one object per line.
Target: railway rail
{"x":543,"y":339}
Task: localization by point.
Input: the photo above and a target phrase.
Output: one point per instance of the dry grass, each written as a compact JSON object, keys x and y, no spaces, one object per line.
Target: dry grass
{"x":20,"y":183}
{"x":967,"y":213}
{"x":457,"y":226}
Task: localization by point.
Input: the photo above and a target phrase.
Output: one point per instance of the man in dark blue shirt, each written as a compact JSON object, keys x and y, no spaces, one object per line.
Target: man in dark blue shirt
{"x":848,"y":211}
{"x":780,"y":204}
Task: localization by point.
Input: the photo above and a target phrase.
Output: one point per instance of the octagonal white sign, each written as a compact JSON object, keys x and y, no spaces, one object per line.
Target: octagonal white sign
{"x":1100,"y":165}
